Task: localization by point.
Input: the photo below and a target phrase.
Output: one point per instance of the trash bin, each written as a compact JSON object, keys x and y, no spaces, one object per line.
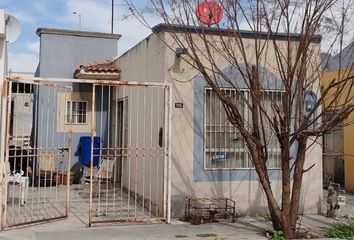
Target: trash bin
{"x":85,"y":150}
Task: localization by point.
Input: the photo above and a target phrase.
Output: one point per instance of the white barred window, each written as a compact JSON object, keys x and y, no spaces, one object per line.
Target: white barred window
{"x":224,"y":147}
{"x":76,"y":112}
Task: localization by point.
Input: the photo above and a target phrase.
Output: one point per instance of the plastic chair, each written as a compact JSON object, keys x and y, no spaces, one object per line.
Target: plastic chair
{"x":18,"y":178}
{"x":105,"y":171}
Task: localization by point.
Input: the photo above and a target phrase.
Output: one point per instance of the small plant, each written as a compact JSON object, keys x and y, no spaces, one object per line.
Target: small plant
{"x":181,"y":236}
{"x":239,"y":215}
{"x":342,"y":230}
{"x":206,"y":235}
{"x":276,"y":235}
{"x":266,"y":216}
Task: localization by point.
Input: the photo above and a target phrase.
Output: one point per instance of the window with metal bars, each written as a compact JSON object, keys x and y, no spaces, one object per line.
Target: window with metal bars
{"x":333,"y":153}
{"x":76,"y":112}
{"x":224,"y":147}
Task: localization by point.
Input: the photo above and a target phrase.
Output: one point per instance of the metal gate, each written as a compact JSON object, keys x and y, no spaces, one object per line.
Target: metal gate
{"x":129,"y":152}
{"x":36,"y":157}
{"x":127,"y":175}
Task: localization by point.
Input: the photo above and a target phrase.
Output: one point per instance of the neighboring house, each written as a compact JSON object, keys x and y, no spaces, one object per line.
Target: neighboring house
{"x":338,"y":151}
{"x":194,"y":171}
{"x":21,"y":117}
{"x":61,"y":53}
{"x":49,"y":115}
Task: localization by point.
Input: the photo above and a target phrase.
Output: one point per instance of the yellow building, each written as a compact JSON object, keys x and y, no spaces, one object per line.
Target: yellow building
{"x":338,"y":150}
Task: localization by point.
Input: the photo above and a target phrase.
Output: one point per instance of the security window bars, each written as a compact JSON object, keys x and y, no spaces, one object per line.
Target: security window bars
{"x":333,"y":153}
{"x":224,"y":147}
{"x":76,"y":112}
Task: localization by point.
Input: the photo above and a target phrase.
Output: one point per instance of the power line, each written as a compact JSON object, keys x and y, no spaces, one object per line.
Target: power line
{"x":112,"y":21}
{"x":115,"y":4}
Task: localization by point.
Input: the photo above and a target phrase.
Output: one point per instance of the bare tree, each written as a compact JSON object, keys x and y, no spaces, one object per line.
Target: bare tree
{"x":297,"y":115}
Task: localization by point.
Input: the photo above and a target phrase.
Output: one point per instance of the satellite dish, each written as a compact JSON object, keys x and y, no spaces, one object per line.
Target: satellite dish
{"x":13,"y":29}
{"x":209,"y":13}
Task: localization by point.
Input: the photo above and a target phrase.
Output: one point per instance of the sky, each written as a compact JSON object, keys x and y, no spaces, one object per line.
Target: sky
{"x":95,"y":16}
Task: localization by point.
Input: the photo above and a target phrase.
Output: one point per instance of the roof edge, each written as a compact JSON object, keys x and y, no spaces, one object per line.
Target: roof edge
{"x":77,"y":33}
{"x":163,"y":27}
{"x":97,"y":75}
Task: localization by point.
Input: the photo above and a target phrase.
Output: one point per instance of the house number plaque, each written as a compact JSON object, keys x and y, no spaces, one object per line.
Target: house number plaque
{"x":179,"y":105}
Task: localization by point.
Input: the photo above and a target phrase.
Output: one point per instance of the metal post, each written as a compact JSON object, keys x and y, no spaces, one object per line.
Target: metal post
{"x":68,"y":166}
{"x":3,"y":90}
{"x":167,"y":155}
{"x":169,"y":161}
{"x":144,"y":154}
{"x":79,"y":15}
{"x":130,"y":150}
{"x":3,"y":139}
{"x":108,"y":151}
{"x":136,"y":173}
{"x":123,"y":145}
{"x":151,"y":147}
{"x":93,"y":116}
{"x":112,"y":22}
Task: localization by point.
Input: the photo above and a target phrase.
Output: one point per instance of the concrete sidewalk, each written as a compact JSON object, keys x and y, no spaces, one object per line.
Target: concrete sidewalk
{"x":244,"y":228}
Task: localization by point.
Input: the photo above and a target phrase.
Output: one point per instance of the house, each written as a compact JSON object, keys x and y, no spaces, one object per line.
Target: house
{"x":21,"y":115}
{"x":194,"y":170}
{"x":49,"y":113}
{"x":338,"y":151}
{"x":149,"y":117}
{"x":61,"y":53}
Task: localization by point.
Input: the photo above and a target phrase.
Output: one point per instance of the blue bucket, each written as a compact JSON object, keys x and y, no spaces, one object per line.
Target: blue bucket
{"x":85,"y":152}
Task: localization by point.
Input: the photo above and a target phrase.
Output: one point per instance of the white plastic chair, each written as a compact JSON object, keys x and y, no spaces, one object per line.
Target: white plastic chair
{"x":105,"y":171}
{"x":18,"y":178}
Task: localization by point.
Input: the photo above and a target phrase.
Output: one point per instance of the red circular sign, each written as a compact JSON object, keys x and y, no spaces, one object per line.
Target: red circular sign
{"x":209,"y":12}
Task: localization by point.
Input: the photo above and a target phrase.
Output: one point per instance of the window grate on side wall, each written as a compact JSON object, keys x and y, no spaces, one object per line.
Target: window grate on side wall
{"x":224,"y":147}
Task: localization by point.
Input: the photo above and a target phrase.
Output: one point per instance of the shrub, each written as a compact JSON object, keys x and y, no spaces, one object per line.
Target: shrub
{"x":343,"y":230}
{"x":276,"y":235}
{"x":266,"y":216}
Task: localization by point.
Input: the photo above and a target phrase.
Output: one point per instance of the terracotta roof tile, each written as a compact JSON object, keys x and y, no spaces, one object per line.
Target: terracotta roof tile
{"x":104,"y":66}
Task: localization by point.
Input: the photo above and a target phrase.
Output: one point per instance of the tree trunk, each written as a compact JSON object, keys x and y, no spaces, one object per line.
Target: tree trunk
{"x":282,"y":224}
{"x":288,"y":231}
{"x":275,"y":221}
{"x":298,"y":173}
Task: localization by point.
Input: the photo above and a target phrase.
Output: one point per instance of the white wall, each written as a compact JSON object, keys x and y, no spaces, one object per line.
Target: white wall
{"x":247,"y":192}
{"x":142,"y":170}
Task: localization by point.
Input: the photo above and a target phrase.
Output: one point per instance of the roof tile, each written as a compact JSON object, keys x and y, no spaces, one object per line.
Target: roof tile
{"x":103,"y":66}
